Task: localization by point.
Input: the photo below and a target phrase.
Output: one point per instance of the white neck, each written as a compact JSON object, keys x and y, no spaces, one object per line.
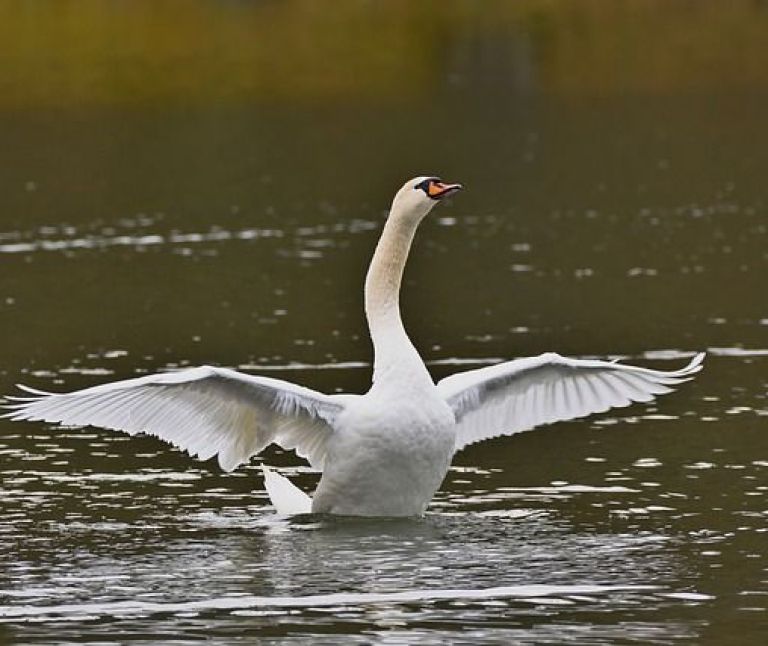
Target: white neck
{"x":395,"y":358}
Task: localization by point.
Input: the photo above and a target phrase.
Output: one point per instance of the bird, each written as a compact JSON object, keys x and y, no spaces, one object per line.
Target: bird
{"x":383,"y":453}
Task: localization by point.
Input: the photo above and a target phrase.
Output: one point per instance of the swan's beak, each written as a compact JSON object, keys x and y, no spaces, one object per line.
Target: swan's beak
{"x":437,"y":190}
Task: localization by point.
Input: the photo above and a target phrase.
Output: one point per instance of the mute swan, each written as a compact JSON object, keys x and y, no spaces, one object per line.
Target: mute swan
{"x":384,"y":453}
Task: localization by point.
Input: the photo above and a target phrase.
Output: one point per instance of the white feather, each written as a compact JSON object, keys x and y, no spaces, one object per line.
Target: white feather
{"x":287,"y":498}
{"x":485,"y":401}
{"x":206,"y":411}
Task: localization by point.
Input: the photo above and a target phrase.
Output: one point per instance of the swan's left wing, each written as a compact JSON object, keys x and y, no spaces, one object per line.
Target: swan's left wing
{"x":206,"y":411}
{"x":519,"y":395}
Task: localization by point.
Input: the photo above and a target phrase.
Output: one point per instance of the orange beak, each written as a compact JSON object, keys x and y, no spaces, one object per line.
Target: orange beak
{"x":438,"y":190}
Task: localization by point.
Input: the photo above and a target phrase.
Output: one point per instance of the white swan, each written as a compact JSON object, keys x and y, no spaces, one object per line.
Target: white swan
{"x":384,"y":453}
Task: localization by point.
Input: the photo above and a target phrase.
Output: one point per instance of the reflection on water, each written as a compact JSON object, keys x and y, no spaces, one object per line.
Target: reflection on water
{"x":201,"y":555}
{"x":175,"y":194}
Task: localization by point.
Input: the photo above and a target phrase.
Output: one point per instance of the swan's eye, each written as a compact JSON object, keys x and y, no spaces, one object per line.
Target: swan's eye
{"x":426,"y":185}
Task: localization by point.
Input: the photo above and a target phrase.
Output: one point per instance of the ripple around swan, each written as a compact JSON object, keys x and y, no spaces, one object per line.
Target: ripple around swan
{"x":323,"y":573}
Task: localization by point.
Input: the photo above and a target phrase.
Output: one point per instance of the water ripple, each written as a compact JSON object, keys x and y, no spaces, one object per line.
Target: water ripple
{"x":541,"y":593}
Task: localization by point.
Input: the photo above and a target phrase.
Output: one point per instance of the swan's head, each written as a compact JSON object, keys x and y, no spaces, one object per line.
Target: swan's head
{"x":419,"y":195}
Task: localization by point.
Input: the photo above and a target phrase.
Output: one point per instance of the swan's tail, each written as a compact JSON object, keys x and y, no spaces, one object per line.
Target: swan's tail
{"x":286,"y":497}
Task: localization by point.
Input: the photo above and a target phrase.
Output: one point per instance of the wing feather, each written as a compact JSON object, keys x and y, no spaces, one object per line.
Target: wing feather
{"x":519,"y":395}
{"x":205,"y":411}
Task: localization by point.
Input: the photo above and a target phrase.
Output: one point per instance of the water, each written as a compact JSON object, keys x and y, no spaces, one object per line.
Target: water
{"x":223,"y":210}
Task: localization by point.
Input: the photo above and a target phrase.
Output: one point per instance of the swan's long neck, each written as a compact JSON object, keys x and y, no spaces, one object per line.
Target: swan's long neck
{"x":395,"y":358}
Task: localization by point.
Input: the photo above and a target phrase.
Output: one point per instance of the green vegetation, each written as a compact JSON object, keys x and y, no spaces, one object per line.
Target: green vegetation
{"x":88,"y":52}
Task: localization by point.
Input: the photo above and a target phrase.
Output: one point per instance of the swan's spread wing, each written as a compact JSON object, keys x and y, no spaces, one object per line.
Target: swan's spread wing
{"x":519,"y":395}
{"x":205,"y":411}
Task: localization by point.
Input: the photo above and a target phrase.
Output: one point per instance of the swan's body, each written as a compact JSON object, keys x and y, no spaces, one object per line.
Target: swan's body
{"x":384,"y":453}
{"x":388,"y":455}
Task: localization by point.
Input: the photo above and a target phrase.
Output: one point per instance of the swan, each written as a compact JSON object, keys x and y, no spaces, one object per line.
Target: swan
{"x":384,"y":453}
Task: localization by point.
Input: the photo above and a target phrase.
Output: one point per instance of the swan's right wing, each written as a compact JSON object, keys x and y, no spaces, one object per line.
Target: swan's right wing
{"x":519,"y":395}
{"x":206,"y":411}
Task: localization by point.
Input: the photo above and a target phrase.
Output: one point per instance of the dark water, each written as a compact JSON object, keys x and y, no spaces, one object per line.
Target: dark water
{"x":165,"y":205}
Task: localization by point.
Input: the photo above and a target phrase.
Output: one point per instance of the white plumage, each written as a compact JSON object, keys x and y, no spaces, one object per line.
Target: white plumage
{"x":384,"y":453}
{"x":290,"y":500}
{"x":519,"y":395}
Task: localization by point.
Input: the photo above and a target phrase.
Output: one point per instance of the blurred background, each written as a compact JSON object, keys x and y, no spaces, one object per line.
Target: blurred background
{"x":613,"y":153}
{"x":187,"y":182}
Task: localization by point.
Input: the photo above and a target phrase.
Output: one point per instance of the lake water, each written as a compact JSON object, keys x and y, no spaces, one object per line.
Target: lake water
{"x":189,"y":197}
